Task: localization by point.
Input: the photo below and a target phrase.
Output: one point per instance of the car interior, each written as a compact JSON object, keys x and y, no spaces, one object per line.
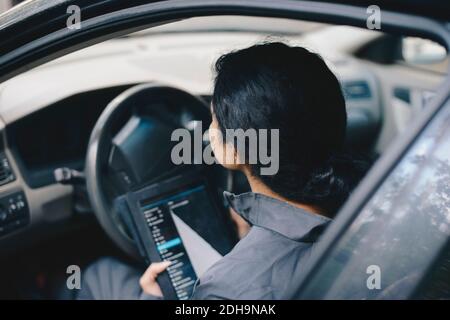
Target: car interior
{"x":85,"y":124}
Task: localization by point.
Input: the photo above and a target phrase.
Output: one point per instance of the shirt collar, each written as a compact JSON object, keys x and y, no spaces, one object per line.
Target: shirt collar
{"x":281,"y":217}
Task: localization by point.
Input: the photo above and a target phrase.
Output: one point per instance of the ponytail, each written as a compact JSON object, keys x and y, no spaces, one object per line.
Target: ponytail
{"x":329,"y":186}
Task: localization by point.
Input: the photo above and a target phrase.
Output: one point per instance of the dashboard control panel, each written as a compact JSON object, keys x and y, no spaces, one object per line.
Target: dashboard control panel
{"x":14,"y":212}
{"x":6,"y":174}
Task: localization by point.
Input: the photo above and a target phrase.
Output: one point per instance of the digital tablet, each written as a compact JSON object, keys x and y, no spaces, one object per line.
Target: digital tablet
{"x":183,"y":221}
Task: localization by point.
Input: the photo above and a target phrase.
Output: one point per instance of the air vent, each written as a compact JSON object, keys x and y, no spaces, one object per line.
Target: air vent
{"x":6,"y":174}
{"x":356,"y":90}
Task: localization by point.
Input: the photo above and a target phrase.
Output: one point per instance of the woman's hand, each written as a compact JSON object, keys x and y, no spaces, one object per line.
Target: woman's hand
{"x":148,"y":280}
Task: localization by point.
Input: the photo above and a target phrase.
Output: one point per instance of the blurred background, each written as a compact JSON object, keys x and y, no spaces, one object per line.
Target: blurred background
{"x":7,"y":4}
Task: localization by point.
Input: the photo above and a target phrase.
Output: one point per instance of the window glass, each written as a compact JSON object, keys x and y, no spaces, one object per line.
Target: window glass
{"x":398,"y":235}
{"x":436,"y":283}
{"x":422,"y":51}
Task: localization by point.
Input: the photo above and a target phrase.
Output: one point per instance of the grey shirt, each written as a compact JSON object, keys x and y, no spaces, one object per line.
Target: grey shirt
{"x":275,"y":250}
{"x":260,"y":266}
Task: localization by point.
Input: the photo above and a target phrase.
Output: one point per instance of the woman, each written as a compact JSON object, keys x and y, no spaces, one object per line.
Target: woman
{"x":289,"y":89}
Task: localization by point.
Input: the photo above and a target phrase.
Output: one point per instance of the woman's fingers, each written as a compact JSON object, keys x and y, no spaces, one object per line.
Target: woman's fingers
{"x":158,"y":267}
{"x":148,"y":280}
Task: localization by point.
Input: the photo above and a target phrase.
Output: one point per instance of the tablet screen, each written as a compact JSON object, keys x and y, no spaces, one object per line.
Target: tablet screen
{"x":185,"y":229}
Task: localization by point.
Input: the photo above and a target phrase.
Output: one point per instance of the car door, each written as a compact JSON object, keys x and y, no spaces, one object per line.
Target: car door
{"x":41,"y":31}
{"x":393,"y":242}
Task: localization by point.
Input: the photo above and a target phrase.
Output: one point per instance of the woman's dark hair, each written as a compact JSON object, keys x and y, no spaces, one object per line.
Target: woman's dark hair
{"x":276,"y":86}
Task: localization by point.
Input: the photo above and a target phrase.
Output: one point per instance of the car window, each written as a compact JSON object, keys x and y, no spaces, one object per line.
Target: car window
{"x":424,"y":53}
{"x":436,"y":284}
{"x":399,"y":241}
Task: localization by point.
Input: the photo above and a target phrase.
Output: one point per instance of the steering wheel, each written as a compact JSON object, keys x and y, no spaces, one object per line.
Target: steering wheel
{"x":130,"y":145}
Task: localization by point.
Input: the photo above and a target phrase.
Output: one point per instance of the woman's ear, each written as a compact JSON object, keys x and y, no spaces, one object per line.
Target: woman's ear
{"x":232,"y":159}
{"x":224,"y":152}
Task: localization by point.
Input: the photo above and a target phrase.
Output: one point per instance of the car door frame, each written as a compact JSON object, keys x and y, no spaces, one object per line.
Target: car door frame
{"x":118,"y":23}
{"x":365,"y":192}
{"x":105,"y":26}
{"x":372,"y":182}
